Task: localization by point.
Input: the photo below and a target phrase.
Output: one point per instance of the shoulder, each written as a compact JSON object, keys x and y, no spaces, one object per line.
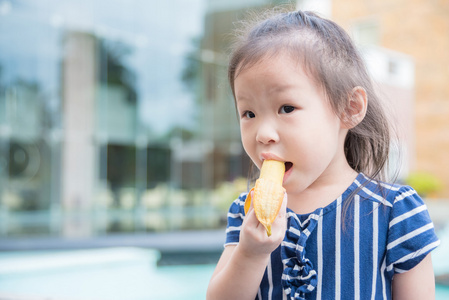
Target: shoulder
{"x":236,"y":212}
{"x":388,"y":194}
{"x":411,"y":233}
{"x":235,"y":217}
{"x":238,"y":205}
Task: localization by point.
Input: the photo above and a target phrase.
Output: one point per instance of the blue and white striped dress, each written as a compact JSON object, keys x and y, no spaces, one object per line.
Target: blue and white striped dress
{"x":387,"y":230}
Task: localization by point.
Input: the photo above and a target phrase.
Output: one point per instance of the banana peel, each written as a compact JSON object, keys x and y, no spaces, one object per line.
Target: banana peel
{"x":268,"y":193}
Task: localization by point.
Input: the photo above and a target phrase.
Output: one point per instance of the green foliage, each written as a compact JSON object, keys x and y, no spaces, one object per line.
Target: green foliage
{"x":227,"y":192}
{"x":424,"y":183}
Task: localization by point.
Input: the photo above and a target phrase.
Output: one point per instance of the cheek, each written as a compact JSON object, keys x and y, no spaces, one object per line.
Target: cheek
{"x":247,"y":139}
{"x":313,"y":137}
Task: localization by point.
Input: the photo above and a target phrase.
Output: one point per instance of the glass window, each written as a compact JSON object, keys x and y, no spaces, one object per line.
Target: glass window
{"x":116,"y":116}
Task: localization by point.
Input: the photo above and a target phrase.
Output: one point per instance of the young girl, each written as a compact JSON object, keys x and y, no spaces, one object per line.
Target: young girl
{"x":304,"y":97}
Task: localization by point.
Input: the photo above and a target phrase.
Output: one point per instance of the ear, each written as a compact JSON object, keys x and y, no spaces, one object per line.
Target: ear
{"x":356,"y":107}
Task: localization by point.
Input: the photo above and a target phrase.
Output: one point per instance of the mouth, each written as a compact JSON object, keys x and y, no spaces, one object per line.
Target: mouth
{"x":288,"y":165}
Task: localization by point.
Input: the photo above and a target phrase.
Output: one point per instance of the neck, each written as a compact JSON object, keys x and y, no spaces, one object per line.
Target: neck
{"x":325,"y":190}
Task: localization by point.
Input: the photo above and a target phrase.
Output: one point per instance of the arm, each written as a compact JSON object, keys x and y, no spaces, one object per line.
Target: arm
{"x":241,"y":267}
{"x":236,"y":276}
{"x":417,"y":283}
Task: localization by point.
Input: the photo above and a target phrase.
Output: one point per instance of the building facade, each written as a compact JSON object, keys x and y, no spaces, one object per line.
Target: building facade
{"x":420,"y":30}
{"x":115,"y":116}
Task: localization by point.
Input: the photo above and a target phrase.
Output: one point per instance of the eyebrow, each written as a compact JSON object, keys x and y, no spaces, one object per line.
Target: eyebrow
{"x":281,"y":88}
{"x":276,"y":89}
{"x":240,"y":98}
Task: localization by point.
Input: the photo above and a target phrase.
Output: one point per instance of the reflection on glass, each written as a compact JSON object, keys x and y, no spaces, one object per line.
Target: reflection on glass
{"x":113,"y":120}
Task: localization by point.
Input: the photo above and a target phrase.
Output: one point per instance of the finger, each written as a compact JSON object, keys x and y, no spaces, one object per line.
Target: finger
{"x":251,"y":219}
{"x":283,"y":209}
{"x":282,"y":216}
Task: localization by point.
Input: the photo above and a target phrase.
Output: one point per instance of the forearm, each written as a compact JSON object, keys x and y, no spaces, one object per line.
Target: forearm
{"x":239,"y":279}
{"x":240,"y":269}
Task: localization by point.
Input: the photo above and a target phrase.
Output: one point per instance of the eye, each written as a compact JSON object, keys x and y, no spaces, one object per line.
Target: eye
{"x":248,"y":114}
{"x":286,"y":109}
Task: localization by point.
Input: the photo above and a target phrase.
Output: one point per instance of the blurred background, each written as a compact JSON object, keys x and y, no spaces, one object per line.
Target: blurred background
{"x":119,"y":143}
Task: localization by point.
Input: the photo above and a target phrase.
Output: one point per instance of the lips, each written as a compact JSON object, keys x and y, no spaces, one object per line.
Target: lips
{"x":271,"y":156}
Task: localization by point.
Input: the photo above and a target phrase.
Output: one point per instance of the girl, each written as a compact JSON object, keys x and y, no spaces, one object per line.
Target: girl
{"x":304,"y":97}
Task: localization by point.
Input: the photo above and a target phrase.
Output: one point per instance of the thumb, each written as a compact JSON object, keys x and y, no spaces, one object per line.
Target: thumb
{"x":250,"y":216}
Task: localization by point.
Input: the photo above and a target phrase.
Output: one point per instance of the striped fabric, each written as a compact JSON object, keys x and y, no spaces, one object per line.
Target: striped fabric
{"x":351,"y":255}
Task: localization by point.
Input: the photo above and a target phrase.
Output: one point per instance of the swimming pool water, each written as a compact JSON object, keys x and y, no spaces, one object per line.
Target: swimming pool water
{"x":117,"y":274}
{"x":123,"y":273}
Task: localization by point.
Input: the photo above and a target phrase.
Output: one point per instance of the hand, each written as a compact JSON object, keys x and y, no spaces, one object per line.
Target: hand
{"x":241,"y":267}
{"x":254,"y":241}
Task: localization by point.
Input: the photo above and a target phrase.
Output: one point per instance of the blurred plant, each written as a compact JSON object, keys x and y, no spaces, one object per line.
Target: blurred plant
{"x":11,"y":200}
{"x":192,"y":62}
{"x":424,"y":183}
{"x":228,"y":192}
{"x":127,"y":198}
{"x":113,"y":67}
{"x":104,"y":198}
{"x":155,"y":198}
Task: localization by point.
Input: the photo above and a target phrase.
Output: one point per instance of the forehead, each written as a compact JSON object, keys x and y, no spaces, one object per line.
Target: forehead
{"x":275,"y":73}
{"x":298,"y":57}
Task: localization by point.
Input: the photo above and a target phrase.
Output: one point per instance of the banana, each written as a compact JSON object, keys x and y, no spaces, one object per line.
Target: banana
{"x":268,"y":193}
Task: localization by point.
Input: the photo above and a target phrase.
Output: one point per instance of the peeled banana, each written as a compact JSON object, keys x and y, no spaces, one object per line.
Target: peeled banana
{"x":268,"y":193}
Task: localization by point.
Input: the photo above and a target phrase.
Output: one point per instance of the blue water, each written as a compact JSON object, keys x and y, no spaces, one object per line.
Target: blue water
{"x":101,"y":274}
{"x":120,"y":273}
{"x":440,"y":259}
{"x":442,"y":292}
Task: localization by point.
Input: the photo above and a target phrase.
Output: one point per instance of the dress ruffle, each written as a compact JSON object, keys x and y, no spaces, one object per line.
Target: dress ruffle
{"x":299,"y":277}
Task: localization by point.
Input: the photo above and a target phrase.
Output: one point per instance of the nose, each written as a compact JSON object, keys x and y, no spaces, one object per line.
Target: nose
{"x":267,"y":133}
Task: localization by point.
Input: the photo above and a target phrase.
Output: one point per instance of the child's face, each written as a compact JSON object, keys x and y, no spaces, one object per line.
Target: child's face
{"x":285,"y":116}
